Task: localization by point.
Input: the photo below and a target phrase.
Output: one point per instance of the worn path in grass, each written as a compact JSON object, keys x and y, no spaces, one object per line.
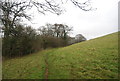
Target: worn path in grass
{"x":46,"y":69}
{"x":46,"y":74}
{"x":93,"y":59}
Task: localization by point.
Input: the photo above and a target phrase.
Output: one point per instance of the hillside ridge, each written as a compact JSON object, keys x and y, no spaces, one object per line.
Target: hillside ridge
{"x":92,"y":59}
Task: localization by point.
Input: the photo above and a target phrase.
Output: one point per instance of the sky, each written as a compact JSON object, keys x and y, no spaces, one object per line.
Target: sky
{"x":91,"y":24}
{"x":119,"y":16}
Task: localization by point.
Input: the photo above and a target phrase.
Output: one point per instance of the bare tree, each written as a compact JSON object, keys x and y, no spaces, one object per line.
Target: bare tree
{"x":84,"y":6}
{"x":62,"y":30}
{"x":80,"y":38}
{"x":17,"y":10}
{"x":11,"y":12}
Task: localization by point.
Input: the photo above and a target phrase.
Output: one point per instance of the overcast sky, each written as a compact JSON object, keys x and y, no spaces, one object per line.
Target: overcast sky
{"x":91,"y":24}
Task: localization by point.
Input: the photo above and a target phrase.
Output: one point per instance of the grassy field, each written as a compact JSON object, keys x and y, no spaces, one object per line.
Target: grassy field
{"x":93,"y":59}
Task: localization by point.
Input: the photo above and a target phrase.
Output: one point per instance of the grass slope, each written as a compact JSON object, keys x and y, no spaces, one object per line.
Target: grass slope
{"x":93,"y":59}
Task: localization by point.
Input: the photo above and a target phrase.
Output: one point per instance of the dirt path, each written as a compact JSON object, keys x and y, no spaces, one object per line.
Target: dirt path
{"x":46,"y":69}
{"x":47,"y":65}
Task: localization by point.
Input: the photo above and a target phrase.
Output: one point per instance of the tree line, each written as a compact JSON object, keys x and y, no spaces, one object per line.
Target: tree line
{"x":19,"y":40}
{"x":25,"y":40}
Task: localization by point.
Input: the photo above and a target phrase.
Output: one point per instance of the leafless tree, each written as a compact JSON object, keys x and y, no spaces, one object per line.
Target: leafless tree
{"x":13,"y":11}
{"x":80,"y":38}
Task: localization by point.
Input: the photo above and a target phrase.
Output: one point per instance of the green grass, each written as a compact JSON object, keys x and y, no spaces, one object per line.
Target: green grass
{"x":27,"y":67}
{"x":93,"y":59}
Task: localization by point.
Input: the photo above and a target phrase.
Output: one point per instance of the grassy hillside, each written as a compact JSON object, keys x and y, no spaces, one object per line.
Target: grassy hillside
{"x":93,"y":59}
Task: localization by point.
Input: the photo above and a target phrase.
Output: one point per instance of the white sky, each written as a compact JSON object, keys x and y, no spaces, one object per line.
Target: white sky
{"x":90,"y":24}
